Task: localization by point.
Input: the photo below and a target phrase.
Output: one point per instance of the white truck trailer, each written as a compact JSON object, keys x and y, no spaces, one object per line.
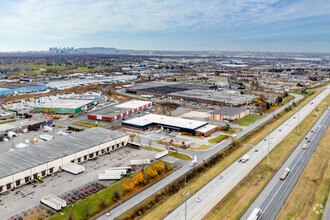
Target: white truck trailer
{"x":285,"y":174}
{"x":104,"y":176}
{"x":73,"y":168}
{"x":53,"y":201}
{"x":245,"y":158}
{"x":139,"y":162}
{"x":161,"y":154}
{"x":255,"y":214}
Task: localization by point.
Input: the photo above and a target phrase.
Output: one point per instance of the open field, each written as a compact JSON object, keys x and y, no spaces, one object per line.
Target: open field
{"x":239,"y":199}
{"x":313,"y":185}
{"x":247,"y":120}
{"x":87,"y":124}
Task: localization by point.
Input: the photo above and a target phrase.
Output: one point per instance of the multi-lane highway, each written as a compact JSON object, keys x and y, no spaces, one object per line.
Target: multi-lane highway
{"x":217,"y":189}
{"x":276,"y":192}
{"x":140,"y":197}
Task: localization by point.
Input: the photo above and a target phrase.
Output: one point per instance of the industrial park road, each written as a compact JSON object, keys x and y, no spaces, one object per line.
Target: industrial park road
{"x":213,"y":192}
{"x":276,"y":192}
{"x":204,"y":155}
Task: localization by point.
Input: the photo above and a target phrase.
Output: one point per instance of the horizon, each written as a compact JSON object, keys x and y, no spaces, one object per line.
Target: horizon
{"x":236,"y":26}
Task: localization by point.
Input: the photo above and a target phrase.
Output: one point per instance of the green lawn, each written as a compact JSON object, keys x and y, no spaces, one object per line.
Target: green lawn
{"x":87,"y":124}
{"x":154,"y":148}
{"x":179,"y":155}
{"x":232,"y":131}
{"x":3,"y":122}
{"x":247,"y":120}
{"x":218,"y":139}
{"x":303,"y":94}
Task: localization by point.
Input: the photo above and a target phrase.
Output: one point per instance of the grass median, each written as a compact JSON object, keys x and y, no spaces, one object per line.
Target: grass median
{"x":312,"y":187}
{"x":201,"y":147}
{"x":247,"y":120}
{"x":239,"y":199}
{"x":218,"y":139}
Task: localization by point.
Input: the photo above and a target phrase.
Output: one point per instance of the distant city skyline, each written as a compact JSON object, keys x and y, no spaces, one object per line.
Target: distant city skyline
{"x":205,"y":25}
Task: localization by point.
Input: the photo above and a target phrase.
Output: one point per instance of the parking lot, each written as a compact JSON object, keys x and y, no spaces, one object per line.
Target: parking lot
{"x":28,"y":196}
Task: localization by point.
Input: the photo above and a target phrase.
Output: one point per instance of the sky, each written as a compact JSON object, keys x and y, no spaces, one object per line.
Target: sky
{"x":213,"y":25}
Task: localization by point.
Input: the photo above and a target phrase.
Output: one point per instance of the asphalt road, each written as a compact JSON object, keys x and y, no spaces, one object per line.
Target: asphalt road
{"x":203,"y":155}
{"x":217,"y":189}
{"x":276,"y":192}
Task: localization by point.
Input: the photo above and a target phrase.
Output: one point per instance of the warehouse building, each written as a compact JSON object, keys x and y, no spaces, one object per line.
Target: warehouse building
{"x":164,"y":88}
{"x":213,"y":97}
{"x":171,"y":123}
{"x":19,"y":166}
{"x":229,"y":113}
{"x":66,"y":106}
{"x":119,"y":111}
{"x":11,"y":88}
{"x":23,"y":125}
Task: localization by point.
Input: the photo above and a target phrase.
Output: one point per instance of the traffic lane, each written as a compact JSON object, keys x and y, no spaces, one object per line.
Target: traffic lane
{"x":296,"y":169}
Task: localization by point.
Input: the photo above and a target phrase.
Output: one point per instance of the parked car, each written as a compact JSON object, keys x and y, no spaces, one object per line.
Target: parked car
{"x":172,"y":148}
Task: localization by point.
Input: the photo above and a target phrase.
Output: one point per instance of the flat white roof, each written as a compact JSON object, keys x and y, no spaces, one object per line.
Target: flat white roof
{"x":66,"y":103}
{"x":166,"y":120}
{"x":206,"y":128}
{"x":133,"y":104}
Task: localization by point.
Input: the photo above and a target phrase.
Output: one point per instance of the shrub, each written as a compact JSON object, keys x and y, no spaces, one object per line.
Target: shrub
{"x":128,"y":185}
{"x":159,"y":167}
{"x":152,"y":172}
{"x":138,"y":179}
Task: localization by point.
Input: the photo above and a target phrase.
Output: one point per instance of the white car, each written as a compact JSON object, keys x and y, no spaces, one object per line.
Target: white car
{"x":108,"y":213}
{"x":198,"y":199}
{"x":220,"y":177}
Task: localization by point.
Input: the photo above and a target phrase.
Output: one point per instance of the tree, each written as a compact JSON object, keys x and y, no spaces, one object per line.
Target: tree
{"x":138,"y":179}
{"x":267,"y":105}
{"x":128,"y":185}
{"x":51,"y":111}
{"x":159,"y":167}
{"x":151,"y":172}
{"x":116,"y":195}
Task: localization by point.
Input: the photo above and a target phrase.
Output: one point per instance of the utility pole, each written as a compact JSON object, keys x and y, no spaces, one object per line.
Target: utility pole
{"x":282,"y":210}
{"x":268,"y":147}
{"x":185,"y":198}
{"x":298,"y":122}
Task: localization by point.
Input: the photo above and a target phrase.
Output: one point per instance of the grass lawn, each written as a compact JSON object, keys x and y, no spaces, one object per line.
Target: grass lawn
{"x":92,"y":203}
{"x":87,"y":124}
{"x":202,"y":147}
{"x":303,"y":94}
{"x":179,"y":155}
{"x":239,"y":199}
{"x":232,"y":131}
{"x":247,"y":120}
{"x":308,"y":193}
{"x":154,"y":148}
{"x":7,"y":121}
{"x":218,"y":139}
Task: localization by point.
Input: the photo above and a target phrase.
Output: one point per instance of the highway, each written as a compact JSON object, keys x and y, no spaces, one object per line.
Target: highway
{"x":217,"y":189}
{"x":141,"y":196}
{"x":276,"y":192}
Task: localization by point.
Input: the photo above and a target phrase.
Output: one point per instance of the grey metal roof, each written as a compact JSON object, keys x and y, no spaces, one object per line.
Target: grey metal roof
{"x":229,"y":111}
{"x":18,"y":160}
{"x":111,"y":111}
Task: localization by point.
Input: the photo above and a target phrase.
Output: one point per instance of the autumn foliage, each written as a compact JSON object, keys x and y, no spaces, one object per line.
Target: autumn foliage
{"x":138,"y":179}
{"x":128,"y":185}
{"x":159,"y":167}
{"x":152,"y":172}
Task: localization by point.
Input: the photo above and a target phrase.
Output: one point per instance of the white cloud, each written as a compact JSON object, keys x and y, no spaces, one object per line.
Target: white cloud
{"x":62,"y":19}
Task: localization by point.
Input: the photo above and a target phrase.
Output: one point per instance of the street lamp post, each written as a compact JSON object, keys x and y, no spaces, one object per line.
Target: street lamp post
{"x":298,"y":122}
{"x":268,"y":147}
{"x":185,"y":198}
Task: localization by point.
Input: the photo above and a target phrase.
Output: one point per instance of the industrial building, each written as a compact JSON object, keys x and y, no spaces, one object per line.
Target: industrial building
{"x":11,"y":88}
{"x":213,"y":97}
{"x":23,"y":125}
{"x":67,"y":106}
{"x":19,"y":166}
{"x":229,"y":113}
{"x":164,"y":88}
{"x":119,"y":111}
{"x":171,"y":123}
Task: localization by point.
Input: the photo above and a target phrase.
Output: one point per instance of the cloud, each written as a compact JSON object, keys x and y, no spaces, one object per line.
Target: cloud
{"x":62,"y":19}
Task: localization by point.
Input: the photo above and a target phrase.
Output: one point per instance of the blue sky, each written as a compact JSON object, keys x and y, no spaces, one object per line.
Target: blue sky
{"x":234,"y":25}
